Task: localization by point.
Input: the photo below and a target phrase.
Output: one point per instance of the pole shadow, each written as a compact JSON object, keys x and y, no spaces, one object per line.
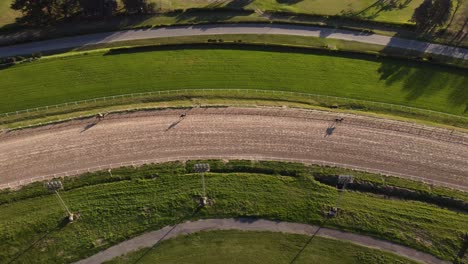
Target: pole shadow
{"x":309,"y":241}
{"x":59,"y":226}
{"x":166,"y":234}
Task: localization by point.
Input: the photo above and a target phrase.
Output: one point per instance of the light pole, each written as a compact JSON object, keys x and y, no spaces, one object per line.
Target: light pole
{"x":54,"y":186}
{"x":202,"y":168}
{"x":343,"y":180}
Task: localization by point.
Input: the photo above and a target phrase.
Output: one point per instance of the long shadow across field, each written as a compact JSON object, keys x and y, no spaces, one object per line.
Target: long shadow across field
{"x":59,"y":226}
{"x":423,"y":78}
{"x":296,"y":257}
{"x":195,"y":212}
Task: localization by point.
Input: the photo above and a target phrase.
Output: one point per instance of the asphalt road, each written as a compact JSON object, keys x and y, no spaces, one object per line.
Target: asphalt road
{"x":310,"y":136}
{"x":271,"y":29}
{"x":149,"y":239}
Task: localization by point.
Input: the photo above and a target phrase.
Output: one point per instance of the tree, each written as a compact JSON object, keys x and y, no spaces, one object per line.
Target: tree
{"x":432,"y":13}
{"x":66,"y":8}
{"x":138,"y":6}
{"x":442,"y":10}
{"x":40,"y":12}
{"x":421,"y":15}
{"x":98,"y":7}
{"x":34,"y":12}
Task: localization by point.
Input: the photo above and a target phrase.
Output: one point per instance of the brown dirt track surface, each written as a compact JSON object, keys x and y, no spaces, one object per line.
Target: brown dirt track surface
{"x":376,"y":144}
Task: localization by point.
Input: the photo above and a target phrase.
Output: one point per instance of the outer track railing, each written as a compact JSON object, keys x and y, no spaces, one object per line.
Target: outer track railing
{"x":241,"y":92}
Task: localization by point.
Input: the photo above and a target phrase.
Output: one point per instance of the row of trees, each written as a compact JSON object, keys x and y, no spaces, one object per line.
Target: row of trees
{"x":41,"y":12}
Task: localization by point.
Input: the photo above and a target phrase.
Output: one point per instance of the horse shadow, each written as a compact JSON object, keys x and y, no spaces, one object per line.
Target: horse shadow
{"x":88,"y":126}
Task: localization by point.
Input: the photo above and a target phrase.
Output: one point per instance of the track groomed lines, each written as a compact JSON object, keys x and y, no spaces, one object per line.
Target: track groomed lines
{"x":274,"y":133}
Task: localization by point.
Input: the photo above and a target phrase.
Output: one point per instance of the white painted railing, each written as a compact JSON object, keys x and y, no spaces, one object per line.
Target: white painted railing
{"x":243,"y":91}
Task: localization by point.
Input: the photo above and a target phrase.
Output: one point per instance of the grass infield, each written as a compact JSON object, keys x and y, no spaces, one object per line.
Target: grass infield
{"x":134,"y":201}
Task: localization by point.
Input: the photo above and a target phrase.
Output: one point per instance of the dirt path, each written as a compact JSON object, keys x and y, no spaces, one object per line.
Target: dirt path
{"x":257,"y":133}
{"x":206,"y":30}
{"x":151,"y":238}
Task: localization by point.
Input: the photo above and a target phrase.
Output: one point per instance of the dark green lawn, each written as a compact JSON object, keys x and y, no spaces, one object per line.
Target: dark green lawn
{"x":230,"y":247}
{"x":137,"y":200}
{"x":53,"y":81}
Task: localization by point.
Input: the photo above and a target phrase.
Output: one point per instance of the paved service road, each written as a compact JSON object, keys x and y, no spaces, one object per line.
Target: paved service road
{"x":271,"y":29}
{"x":152,"y":238}
{"x":374,"y":144}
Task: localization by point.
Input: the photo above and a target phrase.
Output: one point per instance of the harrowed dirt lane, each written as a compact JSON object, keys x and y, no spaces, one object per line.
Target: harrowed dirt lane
{"x":265,"y":133}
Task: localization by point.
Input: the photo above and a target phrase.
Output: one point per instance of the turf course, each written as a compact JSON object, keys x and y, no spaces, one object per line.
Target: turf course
{"x":134,"y":201}
{"x":59,"y":80}
{"x":257,"y":247}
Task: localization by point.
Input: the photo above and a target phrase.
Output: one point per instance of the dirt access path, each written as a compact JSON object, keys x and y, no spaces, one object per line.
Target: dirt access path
{"x":152,"y":238}
{"x":365,"y":143}
{"x":207,"y":30}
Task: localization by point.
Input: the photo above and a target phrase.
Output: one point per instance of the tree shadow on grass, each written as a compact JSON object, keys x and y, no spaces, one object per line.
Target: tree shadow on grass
{"x":288,"y":2}
{"x":422,"y":79}
{"x":372,"y":11}
{"x":62,"y":223}
{"x":420,"y":73}
{"x":230,"y":4}
{"x":214,"y":12}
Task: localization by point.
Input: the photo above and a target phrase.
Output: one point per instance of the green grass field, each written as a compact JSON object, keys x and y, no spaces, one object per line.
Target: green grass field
{"x":257,"y":247}
{"x":135,"y":201}
{"x":58,"y":80}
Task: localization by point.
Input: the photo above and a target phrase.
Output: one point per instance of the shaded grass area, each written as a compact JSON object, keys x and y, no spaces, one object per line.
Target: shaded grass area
{"x":382,"y":17}
{"x":134,"y":201}
{"x":258,"y":247}
{"x":366,"y":9}
{"x":59,"y":80}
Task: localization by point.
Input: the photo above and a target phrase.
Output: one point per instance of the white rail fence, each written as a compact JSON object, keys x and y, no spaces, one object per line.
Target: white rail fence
{"x":20,"y":183}
{"x":401,"y":126}
{"x":240,"y":91}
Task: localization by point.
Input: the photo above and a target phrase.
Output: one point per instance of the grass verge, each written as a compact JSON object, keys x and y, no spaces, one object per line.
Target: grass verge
{"x":258,"y":247}
{"x":133,"y":201}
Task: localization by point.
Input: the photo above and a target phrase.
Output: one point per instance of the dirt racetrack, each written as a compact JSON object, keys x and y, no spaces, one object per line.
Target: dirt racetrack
{"x":368,"y":143}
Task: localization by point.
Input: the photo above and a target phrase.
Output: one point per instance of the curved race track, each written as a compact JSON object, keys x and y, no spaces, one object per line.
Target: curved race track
{"x":272,"y":133}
